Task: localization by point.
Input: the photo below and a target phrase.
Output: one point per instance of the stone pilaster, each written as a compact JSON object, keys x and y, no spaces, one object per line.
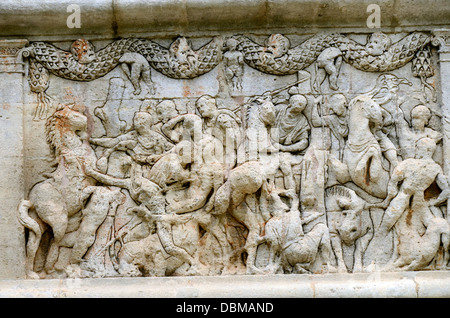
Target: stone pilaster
{"x":12,"y":245}
{"x":442,"y":39}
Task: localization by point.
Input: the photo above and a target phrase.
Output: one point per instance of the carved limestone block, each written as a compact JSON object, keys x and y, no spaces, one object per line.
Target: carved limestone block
{"x":239,"y":154}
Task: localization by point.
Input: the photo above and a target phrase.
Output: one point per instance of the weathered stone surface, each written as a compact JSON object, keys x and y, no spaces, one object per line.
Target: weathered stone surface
{"x":216,"y":144}
{"x":363,"y":285}
{"x":121,"y":18}
{"x":12,"y":164}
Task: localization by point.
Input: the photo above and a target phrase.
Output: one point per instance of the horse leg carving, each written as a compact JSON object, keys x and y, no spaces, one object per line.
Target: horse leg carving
{"x":325,"y":245}
{"x":358,"y":256}
{"x":274,"y":260}
{"x":339,"y":169}
{"x":337,"y":247}
{"x":34,"y":237}
{"x":222,"y":199}
{"x":58,"y":223}
{"x":251,"y":247}
{"x":361,"y":246}
{"x":274,"y":249}
{"x":446,"y":244}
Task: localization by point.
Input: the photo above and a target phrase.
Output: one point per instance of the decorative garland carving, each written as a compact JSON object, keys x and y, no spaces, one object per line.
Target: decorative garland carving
{"x":292,"y":180}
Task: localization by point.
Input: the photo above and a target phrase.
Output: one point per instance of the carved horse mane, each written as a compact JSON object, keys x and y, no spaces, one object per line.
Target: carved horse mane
{"x":67,"y":119}
{"x":338,"y":191}
{"x":251,"y":107}
{"x":354,"y":220}
{"x":257,"y":107}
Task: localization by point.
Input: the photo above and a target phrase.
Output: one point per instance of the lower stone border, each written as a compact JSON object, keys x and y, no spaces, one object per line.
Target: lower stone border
{"x":362,"y":285}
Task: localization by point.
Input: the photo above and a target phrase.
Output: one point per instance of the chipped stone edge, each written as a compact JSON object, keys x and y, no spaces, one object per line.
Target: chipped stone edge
{"x":47,"y":19}
{"x":360,"y":285}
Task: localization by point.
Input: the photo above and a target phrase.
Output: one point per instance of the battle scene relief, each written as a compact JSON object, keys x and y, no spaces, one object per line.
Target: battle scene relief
{"x":233,"y":155}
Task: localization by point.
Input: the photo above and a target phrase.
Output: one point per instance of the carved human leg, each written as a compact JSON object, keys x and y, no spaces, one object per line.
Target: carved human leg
{"x":217,"y":227}
{"x":395,"y":209}
{"x":165,"y":235}
{"x":146,"y":77}
{"x":272,"y":239}
{"x":93,"y":216}
{"x":251,"y":247}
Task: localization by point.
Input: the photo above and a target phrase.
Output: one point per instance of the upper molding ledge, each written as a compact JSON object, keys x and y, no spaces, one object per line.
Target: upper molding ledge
{"x":122,"y":18}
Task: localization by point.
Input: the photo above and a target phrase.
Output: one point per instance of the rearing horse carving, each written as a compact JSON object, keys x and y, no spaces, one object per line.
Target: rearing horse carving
{"x":363,"y":156}
{"x":64,"y":193}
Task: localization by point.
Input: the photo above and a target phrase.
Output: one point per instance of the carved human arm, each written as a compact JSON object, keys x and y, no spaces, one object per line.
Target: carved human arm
{"x":194,"y":203}
{"x":173,"y":218}
{"x":311,"y":217}
{"x":105,"y":142}
{"x":298,"y":146}
{"x":191,"y":123}
{"x":140,"y":158}
{"x":316,"y":119}
{"x":392,"y":191}
{"x":86,"y":193}
{"x":264,"y":145}
{"x":442,"y":182}
{"x":240,"y":59}
{"x":103,"y":178}
{"x":433,"y":134}
{"x":168,"y":128}
{"x":125,"y":145}
{"x":109,"y":142}
{"x":152,"y":159}
{"x":263,"y":202}
{"x":172,"y":123}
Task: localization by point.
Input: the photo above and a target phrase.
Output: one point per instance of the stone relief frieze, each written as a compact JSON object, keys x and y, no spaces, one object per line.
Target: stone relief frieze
{"x":298,"y":155}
